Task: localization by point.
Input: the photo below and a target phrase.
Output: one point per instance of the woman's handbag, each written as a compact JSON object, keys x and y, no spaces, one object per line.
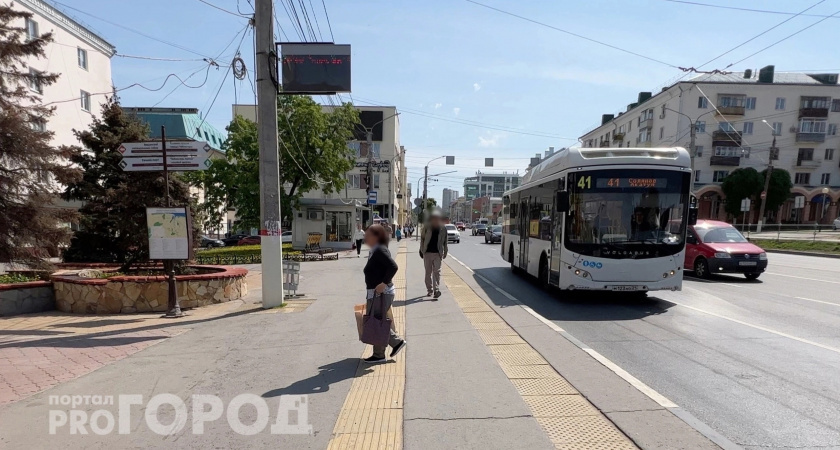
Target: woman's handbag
{"x":376,"y":331}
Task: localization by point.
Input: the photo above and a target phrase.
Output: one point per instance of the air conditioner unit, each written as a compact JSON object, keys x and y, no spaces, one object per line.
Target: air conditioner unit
{"x":315,"y":214}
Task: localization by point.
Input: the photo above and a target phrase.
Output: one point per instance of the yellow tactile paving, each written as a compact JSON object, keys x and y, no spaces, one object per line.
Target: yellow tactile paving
{"x":569,"y":420}
{"x":372,"y":414}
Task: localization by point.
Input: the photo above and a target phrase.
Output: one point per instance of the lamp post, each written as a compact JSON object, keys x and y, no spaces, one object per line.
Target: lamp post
{"x":450,"y":160}
{"x":693,"y":138}
{"x":825,"y":197}
{"x":766,"y":180}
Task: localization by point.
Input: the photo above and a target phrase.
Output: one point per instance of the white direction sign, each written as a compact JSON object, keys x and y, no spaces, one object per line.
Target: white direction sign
{"x":155,"y":148}
{"x":175,"y":163}
{"x":745,"y":205}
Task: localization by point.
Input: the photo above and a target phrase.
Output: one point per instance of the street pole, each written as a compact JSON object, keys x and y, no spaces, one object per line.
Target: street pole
{"x":370,"y":172}
{"x":766,"y":181}
{"x":425,"y":192}
{"x":173,"y":308}
{"x":691,"y":152}
{"x":271,"y":248}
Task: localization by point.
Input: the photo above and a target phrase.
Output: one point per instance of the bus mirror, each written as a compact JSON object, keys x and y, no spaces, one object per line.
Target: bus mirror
{"x":562,"y":201}
{"x":506,"y":200}
{"x":692,"y":216}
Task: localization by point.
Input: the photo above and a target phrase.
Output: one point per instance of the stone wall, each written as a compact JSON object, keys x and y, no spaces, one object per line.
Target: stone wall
{"x":26,"y":298}
{"x":129,"y":294}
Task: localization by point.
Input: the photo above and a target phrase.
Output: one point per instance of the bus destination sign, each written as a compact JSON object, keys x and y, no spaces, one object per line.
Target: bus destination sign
{"x":606,"y":183}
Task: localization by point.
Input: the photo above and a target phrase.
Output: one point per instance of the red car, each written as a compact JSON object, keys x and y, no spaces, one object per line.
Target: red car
{"x":717,"y":247}
{"x":460,"y":226}
{"x":250,"y":240}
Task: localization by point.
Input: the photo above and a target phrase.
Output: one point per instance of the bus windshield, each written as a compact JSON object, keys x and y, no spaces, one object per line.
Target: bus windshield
{"x":637,"y":212}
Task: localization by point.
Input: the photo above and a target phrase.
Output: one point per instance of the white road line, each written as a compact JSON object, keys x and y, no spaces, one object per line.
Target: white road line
{"x":759,"y":327}
{"x":804,"y":278}
{"x":730,"y":284}
{"x":817,"y":301}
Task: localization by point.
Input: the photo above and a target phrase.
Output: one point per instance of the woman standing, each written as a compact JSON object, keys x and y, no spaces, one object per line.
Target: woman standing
{"x":360,"y":237}
{"x":379,"y":272}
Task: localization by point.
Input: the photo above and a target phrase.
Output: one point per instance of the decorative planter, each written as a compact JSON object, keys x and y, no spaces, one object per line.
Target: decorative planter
{"x":132,"y":294}
{"x":26,"y":298}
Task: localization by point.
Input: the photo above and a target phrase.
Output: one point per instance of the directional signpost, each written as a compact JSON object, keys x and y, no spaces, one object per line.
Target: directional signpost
{"x":178,"y":156}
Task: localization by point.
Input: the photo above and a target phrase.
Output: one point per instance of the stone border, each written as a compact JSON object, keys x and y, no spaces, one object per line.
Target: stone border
{"x":25,"y":298}
{"x":25,"y":285}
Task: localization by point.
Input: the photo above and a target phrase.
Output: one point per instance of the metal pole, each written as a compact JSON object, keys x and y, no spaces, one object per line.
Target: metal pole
{"x":271,"y":248}
{"x":173,"y":308}
{"x":369,"y":134}
{"x":691,"y":151}
{"x":425,"y":192}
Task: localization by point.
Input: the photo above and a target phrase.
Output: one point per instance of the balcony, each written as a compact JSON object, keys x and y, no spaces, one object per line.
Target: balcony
{"x":726,"y":137}
{"x":807,"y":164}
{"x":730,"y":110}
{"x":646,"y":123}
{"x":810,"y":137}
{"x":813,"y":112}
{"x":618,"y":137}
{"x":732,"y":161}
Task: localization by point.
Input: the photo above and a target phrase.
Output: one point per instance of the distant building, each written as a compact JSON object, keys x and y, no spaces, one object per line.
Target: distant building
{"x":449,"y":196}
{"x":490,"y":184}
{"x":736,"y":117}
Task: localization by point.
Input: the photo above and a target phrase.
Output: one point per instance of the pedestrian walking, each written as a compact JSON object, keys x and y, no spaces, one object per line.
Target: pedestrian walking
{"x":360,"y":238}
{"x":399,"y":234}
{"x":433,"y":249}
{"x":379,"y":273}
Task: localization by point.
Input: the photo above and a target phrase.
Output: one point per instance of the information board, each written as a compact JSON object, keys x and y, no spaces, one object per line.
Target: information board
{"x":169,"y":233}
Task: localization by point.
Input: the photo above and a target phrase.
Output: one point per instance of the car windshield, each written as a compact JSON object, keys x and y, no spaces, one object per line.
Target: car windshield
{"x":450,"y":227}
{"x":621,"y":207}
{"x":720,"y":234}
{"x":496,"y":229}
{"x":481,"y":225}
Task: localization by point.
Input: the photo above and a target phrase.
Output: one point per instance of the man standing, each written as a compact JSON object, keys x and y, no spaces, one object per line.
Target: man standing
{"x":433,"y":249}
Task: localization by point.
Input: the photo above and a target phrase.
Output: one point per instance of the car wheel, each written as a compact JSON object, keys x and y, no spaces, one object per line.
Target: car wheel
{"x":701,"y":268}
{"x":752,"y":276}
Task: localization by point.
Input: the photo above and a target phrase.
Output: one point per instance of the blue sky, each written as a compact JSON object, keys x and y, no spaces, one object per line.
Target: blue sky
{"x":459,"y":71}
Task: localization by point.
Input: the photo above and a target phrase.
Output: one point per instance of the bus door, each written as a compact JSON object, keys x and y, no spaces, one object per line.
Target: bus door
{"x":524,"y":232}
{"x":556,"y":241}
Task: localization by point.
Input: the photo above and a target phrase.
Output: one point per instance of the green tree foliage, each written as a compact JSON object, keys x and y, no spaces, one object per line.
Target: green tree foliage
{"x":431,"y":205}
{"x":31,"y":170}
{"x":114,"y":212}
{"x":313,"y":155}
{"x":741,"y":184}
{"x":779,"y":190}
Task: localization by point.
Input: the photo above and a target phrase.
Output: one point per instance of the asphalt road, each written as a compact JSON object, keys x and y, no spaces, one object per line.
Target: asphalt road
{"x":758,"y":361}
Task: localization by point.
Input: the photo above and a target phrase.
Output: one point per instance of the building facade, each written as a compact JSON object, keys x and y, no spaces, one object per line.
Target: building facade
{"x":736,"y":118}
{"x":83,"y":61}
{"x":490,"y":184}
{"x":449,"y":196}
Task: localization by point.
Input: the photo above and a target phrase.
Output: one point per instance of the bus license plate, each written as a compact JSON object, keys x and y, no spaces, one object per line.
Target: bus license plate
{"x":748,"y":263}
{"x":625,"y":288}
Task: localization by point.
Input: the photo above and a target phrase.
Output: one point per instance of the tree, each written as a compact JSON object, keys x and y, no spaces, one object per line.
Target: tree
{"x":31,"y":170}
{"x":431,"y":205}
{"x":779,"y":190}
{"x":114,"y":213}
{"x":741,"y":184}
{"x":313,"y":155}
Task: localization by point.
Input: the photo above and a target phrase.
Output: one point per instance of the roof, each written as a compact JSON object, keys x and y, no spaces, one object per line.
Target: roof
{"x":738,"y":77}
{"x":180,"y":123}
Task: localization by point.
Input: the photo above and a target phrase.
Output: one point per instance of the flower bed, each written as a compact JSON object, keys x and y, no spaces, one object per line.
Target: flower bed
{"x":146,"y":293}
{"x":244,"y":254}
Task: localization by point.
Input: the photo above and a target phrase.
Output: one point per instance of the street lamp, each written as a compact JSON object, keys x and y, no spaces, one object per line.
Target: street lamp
{"x":766,"y":179}
{"x":691,"y":144}
{"x":825,"y":197}
{"x":450,"y":160}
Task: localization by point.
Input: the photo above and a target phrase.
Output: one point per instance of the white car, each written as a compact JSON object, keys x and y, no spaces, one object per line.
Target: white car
{"x":837,"y":224}
{"x":452,"y":234}
{"x":286,"y":237}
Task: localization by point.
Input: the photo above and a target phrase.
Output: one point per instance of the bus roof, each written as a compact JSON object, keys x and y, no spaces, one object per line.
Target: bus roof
{"x":587,"y":157}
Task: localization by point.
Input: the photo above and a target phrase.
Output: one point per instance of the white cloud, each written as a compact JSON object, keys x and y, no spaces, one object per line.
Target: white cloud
{"x":438,"y":105}
{"x":476,"y":87}
{"x":490,"y":140}
{"x":456,"y":110}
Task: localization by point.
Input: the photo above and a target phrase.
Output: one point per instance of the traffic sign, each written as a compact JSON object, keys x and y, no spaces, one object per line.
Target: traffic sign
{"x":745,"y":205}
{"x":174,"y":163}
{"x":799,"y":202}
{"x":763,"y":195}
{"x":155,"y":148}
{"x":372,"y":196}
{"x":141,"y":164}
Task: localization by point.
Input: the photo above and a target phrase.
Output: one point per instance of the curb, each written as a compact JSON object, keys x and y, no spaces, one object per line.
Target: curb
{"x":802,"y":253}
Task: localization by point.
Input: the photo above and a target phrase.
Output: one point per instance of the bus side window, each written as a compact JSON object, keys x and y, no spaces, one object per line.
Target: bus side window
{"x":511,"y":224}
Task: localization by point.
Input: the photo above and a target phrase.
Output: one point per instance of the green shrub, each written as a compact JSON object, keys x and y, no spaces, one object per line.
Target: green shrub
{"x":803,"y":245}
{"x":11,"y":278}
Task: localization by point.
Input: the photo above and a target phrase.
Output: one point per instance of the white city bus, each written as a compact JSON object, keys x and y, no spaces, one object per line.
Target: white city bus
{"x":601,"y":219}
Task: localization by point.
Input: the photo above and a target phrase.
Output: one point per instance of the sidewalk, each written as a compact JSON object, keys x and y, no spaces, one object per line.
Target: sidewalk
{"x":479,"y":372}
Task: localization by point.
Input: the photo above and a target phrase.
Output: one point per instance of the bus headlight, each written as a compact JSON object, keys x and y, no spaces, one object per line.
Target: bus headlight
{"x":582,"y":273}
{"x":722,"y":255}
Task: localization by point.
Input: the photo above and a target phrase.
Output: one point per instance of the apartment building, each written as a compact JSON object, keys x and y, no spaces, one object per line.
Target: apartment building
{"x":490,"y":184}
{"x":736,"y":118}
{"x":81,"y":58}
{"x":449,"y":196}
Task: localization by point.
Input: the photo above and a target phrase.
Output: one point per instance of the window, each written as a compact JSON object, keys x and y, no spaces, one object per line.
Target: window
{"x":829,"y":154}
{"x":802,"y":178}
{"x":34,"y":83}
{"x":38,"y":125}
{"x":702,"y":102}
{"x":662,"y":115}
{"x":725,"y":101}
{"x":84,"y":97}
{"x":726,"y":127}
{"x":661,"y":132}
{"x":780,"y":103}
{"x":700,"y":126}
{"x":727,"y":151}
{"x":31,"y":29}
{"x":354,"y":181}
{"x":745,"y":151}
{"x":83,"y":61}
{"x":748,"y":127}
{"x":812,"y":126}
{"x":719,"y":175}
{"x":832,"y":129}
{"x":835,"y":105}
{"x":749,"y":103}
{"x":376,"y":181}
{"x":814,"y":102}
{"x":339,"y":226}
{"x":696,"y":176}
{"x":698,"y":150}
{"x":644,"y":135}
{"x":825,"y":178}
{"x":805,"y":154}
{"x":777,"y":128}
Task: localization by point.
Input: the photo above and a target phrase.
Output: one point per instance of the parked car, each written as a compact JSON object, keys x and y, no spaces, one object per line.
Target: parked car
{"x":233,"y":239}
{"x":287,"y":237}
{"x":452,"y":233}
{"x":717,"y":247}
{"x":460,"y":226}
{"x":208,"y":242}
{"x":479,"y":228}
{"x":837,"y":224}
{"x":250,"y":240}
{"x":493,"y":234}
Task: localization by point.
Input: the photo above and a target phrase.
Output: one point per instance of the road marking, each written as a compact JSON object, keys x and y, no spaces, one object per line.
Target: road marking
{"x":730,"y":284}
{"x":759,"y":327}
{"x":459,"y":262}
{"x":817,"y":301}
{"x":804,"y":278}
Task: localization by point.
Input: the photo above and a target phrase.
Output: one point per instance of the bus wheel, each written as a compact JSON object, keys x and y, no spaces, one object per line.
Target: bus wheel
{"x":544,"y":272}
{"x":510,"y":259}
